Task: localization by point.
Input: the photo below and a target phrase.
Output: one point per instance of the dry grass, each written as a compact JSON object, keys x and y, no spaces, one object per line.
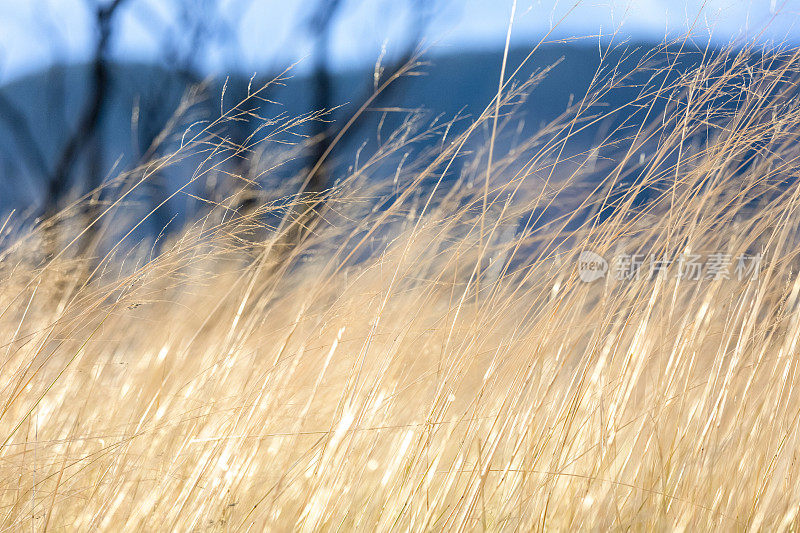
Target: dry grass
{"x":435,"y":363}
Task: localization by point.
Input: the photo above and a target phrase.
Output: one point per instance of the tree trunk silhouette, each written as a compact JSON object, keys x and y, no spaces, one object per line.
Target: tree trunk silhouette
{"x":86,"y":134}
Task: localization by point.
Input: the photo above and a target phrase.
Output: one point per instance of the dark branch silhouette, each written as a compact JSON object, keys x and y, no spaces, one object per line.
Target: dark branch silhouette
{"x":318,"y":177}
{"x":90,"y":117}
{"x":322,"y":88}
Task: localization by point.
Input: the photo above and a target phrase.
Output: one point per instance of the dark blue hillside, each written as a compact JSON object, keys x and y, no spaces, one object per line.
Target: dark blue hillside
{"x":454,"y":84}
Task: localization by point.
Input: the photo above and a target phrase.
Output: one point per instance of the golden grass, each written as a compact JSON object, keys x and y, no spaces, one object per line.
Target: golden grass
{"x":436,"y":363}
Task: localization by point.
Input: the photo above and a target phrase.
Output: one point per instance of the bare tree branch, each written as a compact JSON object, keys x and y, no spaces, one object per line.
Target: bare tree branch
{"x":90,"y":117}
{"x":321,"y":24}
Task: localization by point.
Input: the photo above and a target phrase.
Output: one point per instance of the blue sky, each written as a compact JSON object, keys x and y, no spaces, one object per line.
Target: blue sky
{"x":269,"y":33}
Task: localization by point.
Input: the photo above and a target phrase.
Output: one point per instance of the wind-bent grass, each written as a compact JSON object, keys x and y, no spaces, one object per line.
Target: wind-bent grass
{"x":354,"y":379}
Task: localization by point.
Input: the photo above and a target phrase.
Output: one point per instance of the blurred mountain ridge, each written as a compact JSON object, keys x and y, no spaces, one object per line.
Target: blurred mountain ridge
{"x":452,"y":84}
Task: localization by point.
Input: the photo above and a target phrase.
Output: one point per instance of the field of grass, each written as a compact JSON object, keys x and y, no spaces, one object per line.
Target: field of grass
{"x":407,"y":352}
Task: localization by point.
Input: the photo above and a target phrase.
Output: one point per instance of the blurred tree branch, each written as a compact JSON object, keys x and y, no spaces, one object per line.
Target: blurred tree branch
{"x":320,"y":26}
{"x":90,"y":117}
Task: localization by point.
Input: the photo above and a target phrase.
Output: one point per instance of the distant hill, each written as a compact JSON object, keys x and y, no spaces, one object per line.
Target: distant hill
{"x":457,"y":83}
